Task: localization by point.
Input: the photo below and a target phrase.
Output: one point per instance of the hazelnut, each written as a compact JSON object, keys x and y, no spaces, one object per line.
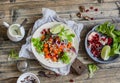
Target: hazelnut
{"x":79,"y":15}
{"x":82,"y":8}
{"x":86,"y":18}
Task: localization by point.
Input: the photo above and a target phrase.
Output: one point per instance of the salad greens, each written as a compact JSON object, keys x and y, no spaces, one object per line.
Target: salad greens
{"x":92,"y":69}
{"x":65,"y":58}
{"x":13,"y":54}
{"x":56,"y":28}
{"x":109,"y":29}
{"x":38,"y":44}
{"x":115,"y":49}
{"x":62,"y":32}
{"x":116,"y":32}
{"x":66,"y":34}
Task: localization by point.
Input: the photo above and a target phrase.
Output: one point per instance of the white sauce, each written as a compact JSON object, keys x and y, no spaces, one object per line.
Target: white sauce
{"x":15,"y":30}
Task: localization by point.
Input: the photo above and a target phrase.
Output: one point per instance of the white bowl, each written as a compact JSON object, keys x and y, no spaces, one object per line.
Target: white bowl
{"x":24,"y":75}
{"x":41,"y":58}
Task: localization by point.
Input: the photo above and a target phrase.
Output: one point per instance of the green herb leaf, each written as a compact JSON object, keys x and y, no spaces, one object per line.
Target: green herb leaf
{"x":109,"y":30}
{"x":13,"y":54}
{"x":66,"y":34}
{"x":92,"y":69}
{"x":115,"y":49}
{"x":38,"y":44}
{"x":116,"y":32}
{"x":65,"y":58}
{"x":69,"y":38}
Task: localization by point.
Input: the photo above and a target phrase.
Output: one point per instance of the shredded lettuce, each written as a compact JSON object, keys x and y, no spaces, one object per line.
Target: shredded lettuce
{"x":92,"y":69}
{"x":65,"y":58}
{"x":38,"y":44}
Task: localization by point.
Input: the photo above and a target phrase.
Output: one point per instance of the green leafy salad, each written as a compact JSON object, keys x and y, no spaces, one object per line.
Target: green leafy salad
{"x":109,"y":30}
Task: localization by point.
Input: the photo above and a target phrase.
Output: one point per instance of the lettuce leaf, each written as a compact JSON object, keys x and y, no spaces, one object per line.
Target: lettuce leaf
{"x":65,"y":58}
{"x":37,"y":44}
{"x":115,"y":49}
{"x":66,"y":34}
{"x":13,"y":54}
{"x":92,"y":69}
{"x":116,"y":32}
{"x":106,"y":28}
{"x":109,"y":29}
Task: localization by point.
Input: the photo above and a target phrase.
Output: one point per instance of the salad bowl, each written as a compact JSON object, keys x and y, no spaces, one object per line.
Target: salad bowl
{"x":89,"y":52}
{"x":40,"y":56}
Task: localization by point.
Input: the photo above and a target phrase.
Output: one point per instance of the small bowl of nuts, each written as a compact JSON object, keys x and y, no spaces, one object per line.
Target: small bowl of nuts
{"x":28,"y":78}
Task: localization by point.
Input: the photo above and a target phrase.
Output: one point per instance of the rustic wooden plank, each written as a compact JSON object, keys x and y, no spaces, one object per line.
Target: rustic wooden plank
{"x":110,"y":0}
{"x":13,"y":67}
{"x":37,"y":4}
{"x":20,"y":1}
{"x":69,"y":8}
{"x":83,"y":77}
{"x":96,"y":16}
{"x":105,"y":15}
{"x":10,"y":47}
{"x":13,"y":80}
{"x":41,"y":3}
{"x":65,"y":8}
{"x":7,"y":12}
{"x":82,"y":1}
{"x":32,"y":14}
{"x":13,"y":71}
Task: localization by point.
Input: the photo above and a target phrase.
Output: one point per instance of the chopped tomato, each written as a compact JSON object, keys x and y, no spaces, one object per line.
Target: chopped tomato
{"x":55,"y":51}
{"x":45,"y":50}
{"x":45,"y":45}
{"x":69,"y":45}
{"x":54,"y":59}
{"x":47,"y":56}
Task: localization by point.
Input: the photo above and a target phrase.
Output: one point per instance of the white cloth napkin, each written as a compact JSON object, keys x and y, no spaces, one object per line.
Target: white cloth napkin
{"x":49,"y":16}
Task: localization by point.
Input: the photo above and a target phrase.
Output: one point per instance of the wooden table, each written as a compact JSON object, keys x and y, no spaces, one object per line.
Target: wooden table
{"x":14,"y":11}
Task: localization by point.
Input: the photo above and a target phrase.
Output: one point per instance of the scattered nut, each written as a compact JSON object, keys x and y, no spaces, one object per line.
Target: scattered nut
{"x":79,"y":15}
{"x":82,"y":8}
{"x":86,"y":18}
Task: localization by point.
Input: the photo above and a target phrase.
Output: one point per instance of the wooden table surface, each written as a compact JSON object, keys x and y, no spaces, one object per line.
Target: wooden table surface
{"x":14,"y":11}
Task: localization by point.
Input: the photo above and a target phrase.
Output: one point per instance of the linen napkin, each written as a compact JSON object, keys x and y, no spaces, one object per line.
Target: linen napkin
{"x":49,"y":16}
